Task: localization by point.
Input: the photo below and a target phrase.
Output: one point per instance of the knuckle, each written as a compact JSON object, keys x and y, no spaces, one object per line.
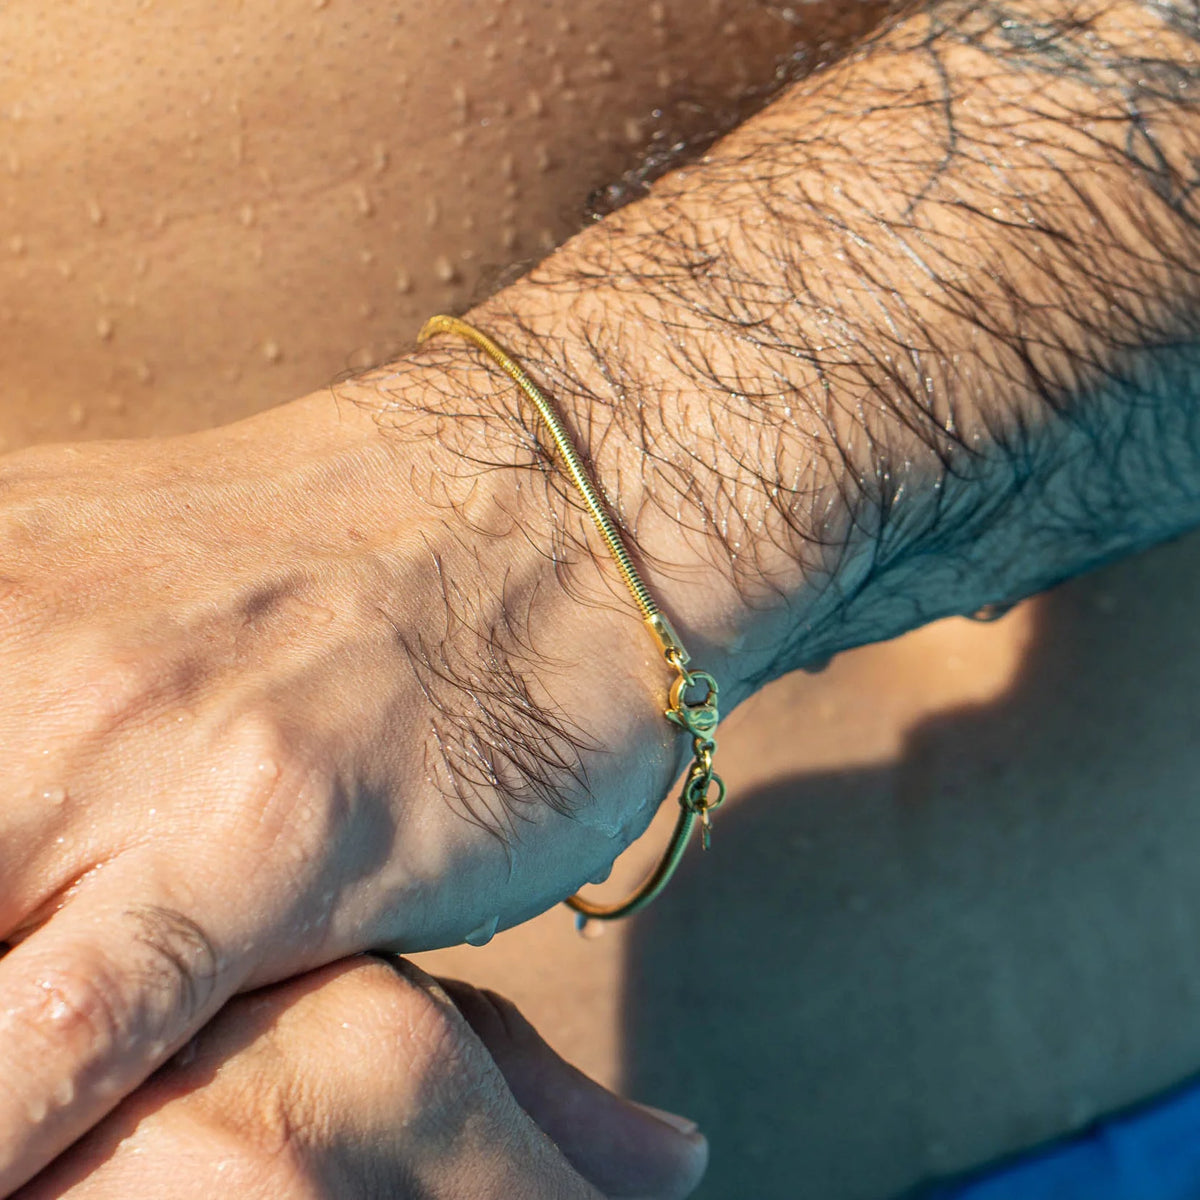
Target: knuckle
{"x":179,"y":967}
{"x":74,"y":1011}
{"x":259,"y":751}
{"x":428,"y":1040}
{"x":95,"y":1005}
{"x":275,"y":793}
{"x":428,"y":1021}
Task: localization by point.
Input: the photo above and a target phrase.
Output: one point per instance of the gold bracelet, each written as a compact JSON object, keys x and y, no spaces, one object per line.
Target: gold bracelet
{"x":698,"y":718}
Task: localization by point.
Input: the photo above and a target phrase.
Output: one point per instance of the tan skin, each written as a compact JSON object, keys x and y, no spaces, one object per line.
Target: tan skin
{"x":104,"y":390}
{"x":288,"y":253}
{"x":300,"y":187}
{"x":364,"y":1078}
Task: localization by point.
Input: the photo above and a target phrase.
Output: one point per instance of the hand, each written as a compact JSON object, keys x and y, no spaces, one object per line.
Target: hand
{"x":254,"y":678}
{"x":850,"y":372}
{"x":361,"y":1080}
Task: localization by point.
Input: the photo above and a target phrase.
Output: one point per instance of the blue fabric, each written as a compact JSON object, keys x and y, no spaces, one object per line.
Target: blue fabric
{"x":1152,"y":1153}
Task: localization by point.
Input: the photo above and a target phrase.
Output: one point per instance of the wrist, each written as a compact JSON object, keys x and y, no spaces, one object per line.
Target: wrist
{"x":545,"y":683}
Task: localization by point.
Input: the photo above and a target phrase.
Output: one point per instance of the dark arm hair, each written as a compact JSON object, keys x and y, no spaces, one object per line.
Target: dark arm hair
{"x":919,"y":336}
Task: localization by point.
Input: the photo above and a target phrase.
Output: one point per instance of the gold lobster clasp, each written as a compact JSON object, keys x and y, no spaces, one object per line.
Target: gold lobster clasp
{"x":699,"y":718}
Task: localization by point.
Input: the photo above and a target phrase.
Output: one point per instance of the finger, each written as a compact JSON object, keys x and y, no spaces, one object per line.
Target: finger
{"x":354,"y":1080}
{"x":620,"y":1147}
{"x":90,"y":1005}
{"x":231,"y":1113}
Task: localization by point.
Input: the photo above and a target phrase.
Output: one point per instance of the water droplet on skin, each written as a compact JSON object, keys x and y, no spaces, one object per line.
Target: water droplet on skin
{"x":484,"y":934}
{"x":595,"y":816}
{"x":36,"y":1112}
{"x":633,"y":131}
{"x":95,"y":212}
{"x":268,"y":768}
{"x":433,"y":211}
{"x":17,"y":244}
{"x":77,"y":414}
{"x":66,"y":269}
{"x":320,"y":4}
{"x":537,"y":106}
{"x":366,"y":257}
{"x":64,"y":1093}
{"x":271,"y":351}
{"x":55,"y":796}
{"x":445,"y":270}
{"x":508,"y":237}
{"x":459,"y":95}
{"x":141,"y":265}
{"x":379,"y":158}
{"x":403,"y":282}
{"x":363,"y":202}
{"x":491,"y":52}
{"x":542,"y":159}
{"x":144,"y":373}
{"x":247,"y":215}
{"x":104,"y":328}
{"x":546,"y":239}
{"x":588,"y":928}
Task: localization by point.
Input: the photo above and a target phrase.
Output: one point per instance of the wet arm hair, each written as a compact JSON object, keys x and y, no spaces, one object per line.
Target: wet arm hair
{"x":926,"y":328}
{"x":921,"y":335}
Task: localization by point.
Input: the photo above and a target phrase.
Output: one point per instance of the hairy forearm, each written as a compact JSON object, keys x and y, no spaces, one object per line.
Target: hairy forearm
{"x":919,"y":336}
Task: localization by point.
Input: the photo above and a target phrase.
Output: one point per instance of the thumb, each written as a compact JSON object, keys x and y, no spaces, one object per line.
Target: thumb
{"x":623,"y":1149}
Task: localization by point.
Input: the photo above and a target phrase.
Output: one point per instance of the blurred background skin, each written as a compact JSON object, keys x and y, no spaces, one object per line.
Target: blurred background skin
{"x":950,"y":909}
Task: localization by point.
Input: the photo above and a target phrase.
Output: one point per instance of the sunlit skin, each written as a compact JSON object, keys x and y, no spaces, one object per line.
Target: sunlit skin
{"x":217,"y":216}
{"x":198,"y":265}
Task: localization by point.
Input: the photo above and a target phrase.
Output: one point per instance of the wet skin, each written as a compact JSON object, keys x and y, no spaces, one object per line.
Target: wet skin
{"x":203,"y":219}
